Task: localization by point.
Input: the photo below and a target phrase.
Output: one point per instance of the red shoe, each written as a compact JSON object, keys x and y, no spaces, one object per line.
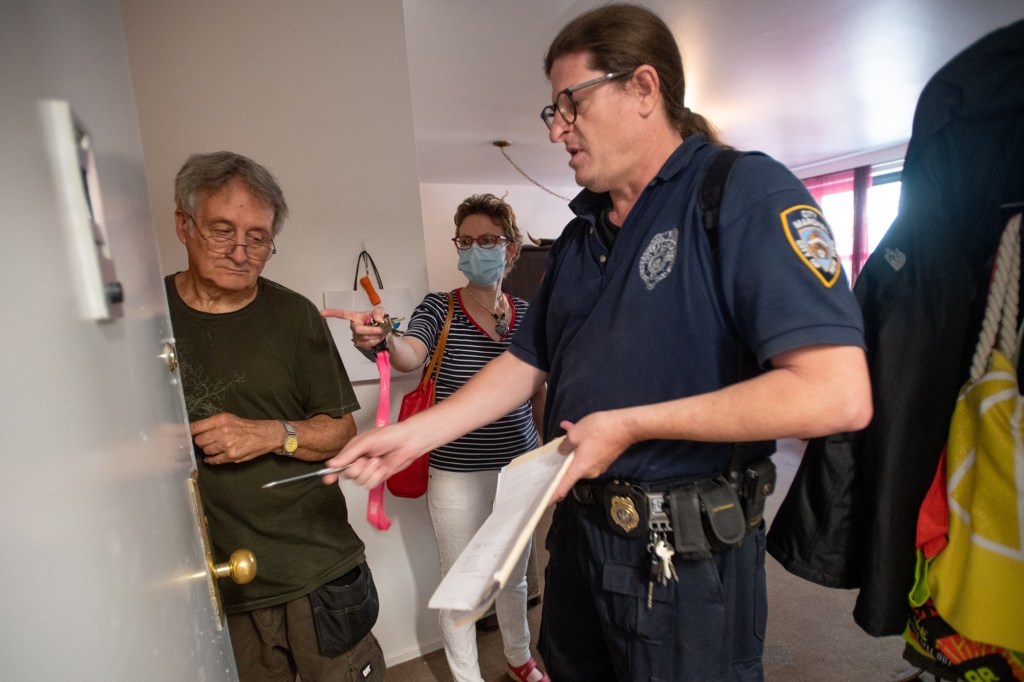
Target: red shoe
{"x":528,"y":672}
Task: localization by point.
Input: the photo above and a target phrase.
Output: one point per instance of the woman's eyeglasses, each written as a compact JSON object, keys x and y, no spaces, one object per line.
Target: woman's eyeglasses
{"x":487,"y":241}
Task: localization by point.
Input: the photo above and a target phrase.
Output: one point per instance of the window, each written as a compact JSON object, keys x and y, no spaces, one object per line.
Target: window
{"x":859,"y":205}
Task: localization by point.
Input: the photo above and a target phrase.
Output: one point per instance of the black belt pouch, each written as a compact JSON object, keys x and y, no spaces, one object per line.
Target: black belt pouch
{"x":722,"y":514}
{"x":689,"y":538}
{"x":344,"y":610}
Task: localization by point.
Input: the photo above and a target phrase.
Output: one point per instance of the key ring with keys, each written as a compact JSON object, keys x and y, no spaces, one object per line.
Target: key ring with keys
{"x":389,"y":325}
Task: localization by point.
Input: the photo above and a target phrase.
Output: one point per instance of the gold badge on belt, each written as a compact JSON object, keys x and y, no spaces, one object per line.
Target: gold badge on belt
{"x":623,"y":513}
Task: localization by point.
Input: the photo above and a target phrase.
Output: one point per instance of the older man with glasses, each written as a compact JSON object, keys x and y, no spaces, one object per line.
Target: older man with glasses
{"x":675,"y":354}
{"x":267,"y":398}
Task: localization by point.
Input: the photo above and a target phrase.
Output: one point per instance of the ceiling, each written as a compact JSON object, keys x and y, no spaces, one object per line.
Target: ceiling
{"x":807,"y":81}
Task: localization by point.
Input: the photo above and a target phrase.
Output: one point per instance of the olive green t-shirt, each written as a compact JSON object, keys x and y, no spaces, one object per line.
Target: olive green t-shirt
{"x":273,"y":359}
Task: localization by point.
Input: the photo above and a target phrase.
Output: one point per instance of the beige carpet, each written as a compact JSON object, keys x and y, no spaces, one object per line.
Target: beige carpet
{"x":811,"y":634}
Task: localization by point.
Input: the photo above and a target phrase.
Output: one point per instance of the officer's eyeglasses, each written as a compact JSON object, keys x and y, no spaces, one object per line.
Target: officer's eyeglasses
{"x":565,"y":105}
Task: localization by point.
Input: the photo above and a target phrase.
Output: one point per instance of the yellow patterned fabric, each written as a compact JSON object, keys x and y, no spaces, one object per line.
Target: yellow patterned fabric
{"x":977,"y":580}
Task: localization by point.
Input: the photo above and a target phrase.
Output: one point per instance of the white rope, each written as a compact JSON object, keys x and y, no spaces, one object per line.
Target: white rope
{"x":1001,"y":308}
{"x":1008,"y":332}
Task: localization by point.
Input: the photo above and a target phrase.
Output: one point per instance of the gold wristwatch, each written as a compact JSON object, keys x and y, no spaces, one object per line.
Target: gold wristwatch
{"x":291,"y":439}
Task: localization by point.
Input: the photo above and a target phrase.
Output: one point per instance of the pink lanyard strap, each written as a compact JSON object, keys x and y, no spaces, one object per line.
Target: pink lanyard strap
{"x":375,"y":513}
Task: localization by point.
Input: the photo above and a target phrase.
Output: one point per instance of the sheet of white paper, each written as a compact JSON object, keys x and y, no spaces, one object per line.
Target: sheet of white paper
{"x":525,"y":488}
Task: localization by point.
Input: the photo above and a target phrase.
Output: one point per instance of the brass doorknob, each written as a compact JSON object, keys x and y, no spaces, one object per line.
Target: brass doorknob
{"x":241,"y":567}
{"x":170,"y":356}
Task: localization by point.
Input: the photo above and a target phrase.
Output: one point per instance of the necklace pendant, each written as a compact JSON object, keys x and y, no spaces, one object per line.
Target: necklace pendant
{"x":501,"y":328}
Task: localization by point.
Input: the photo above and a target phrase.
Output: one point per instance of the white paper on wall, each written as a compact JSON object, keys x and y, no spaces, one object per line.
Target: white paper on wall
{"x":397,"y":302}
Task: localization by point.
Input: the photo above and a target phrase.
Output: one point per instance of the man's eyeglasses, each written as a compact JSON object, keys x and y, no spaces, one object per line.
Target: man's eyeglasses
{"x":565,"y":105}
{"x":487,"y":241}
{"x":255,"y":247}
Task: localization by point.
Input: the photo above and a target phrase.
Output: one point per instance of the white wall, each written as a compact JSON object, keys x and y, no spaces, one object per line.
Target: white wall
{"x":319,"y":93}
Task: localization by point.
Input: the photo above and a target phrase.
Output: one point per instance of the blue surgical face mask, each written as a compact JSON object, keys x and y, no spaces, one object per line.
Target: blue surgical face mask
{"x":482,"y":267}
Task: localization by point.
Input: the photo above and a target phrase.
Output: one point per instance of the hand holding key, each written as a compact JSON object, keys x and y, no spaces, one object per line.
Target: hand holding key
{"x":367,"y":327}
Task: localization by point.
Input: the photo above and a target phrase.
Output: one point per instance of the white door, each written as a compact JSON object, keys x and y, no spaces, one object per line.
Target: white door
{"x":103,"y":571}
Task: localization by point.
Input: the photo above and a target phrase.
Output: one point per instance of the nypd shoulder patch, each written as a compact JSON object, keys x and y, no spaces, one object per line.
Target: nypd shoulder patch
{"x":811,"y":238}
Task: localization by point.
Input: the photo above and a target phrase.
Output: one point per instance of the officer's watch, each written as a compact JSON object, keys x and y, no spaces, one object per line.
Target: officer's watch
{"x":291,"y":439}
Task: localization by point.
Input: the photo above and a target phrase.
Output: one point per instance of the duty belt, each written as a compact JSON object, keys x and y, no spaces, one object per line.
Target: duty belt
{"x":700,"y":516}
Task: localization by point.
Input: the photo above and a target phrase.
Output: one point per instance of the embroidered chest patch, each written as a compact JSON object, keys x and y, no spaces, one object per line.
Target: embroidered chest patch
{"x":659,"y":258}
{"x":811,"y":238}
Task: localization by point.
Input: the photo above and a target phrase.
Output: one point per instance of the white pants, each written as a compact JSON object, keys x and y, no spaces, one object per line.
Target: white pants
{"x":459,"y":503}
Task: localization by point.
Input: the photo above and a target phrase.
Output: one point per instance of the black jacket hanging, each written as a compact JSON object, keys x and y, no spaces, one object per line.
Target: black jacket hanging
{"x":849,"y":518}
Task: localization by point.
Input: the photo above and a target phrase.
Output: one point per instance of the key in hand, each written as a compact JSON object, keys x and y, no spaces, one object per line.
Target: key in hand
{"x":667,"y":570}
{"x":389,"y":324}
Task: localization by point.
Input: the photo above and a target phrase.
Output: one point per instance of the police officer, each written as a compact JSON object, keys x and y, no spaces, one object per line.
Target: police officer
{"x":638,"y":329}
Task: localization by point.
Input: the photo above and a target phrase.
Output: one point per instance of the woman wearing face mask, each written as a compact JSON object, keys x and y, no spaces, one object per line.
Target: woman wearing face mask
{"x":464,"y":473}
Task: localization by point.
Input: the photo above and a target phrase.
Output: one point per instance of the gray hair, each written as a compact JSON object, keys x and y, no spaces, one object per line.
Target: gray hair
{"x":208,"y":173}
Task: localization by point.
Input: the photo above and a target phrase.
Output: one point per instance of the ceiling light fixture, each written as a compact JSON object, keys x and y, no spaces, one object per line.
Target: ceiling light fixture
{"x":501,"y":145}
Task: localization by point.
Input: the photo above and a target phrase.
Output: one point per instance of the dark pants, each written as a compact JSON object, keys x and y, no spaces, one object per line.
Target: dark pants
{"x":596,"y":625}
{"x":275,"y":643}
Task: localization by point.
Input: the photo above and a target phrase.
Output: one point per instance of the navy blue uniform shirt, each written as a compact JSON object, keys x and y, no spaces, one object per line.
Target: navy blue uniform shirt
{"x":655,"y":318}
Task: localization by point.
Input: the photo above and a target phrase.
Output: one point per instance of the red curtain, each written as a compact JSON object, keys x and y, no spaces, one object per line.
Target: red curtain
{"x":861,"y":183}
{"x":833,"y":183}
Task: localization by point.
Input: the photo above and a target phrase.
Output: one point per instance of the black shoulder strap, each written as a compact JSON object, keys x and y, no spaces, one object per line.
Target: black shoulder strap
{"x":712,"y":188}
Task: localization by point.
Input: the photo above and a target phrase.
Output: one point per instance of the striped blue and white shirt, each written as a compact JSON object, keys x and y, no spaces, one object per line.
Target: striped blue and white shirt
{"x":468,"y":349}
